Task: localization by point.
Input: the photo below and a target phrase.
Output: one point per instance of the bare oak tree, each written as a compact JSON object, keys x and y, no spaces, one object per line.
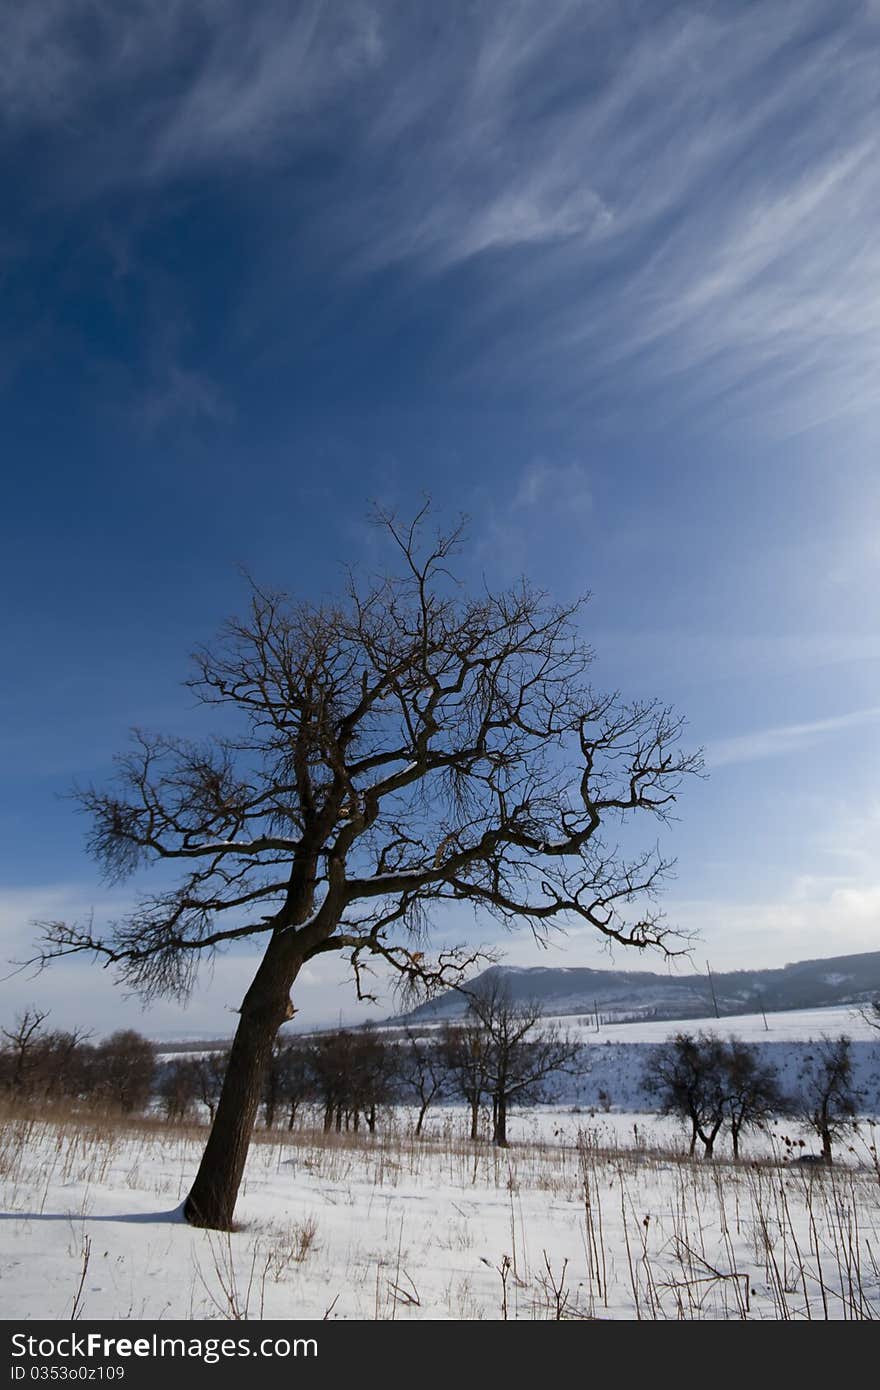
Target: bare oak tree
{"x":753,"y":1091}
{"x":421,"y":1072}
{"x":22,"y":1040}
{"x":687,"y":1074}
{"x":407,"y":746}
{"x":465,"y":1052}
{"x":828,"y":1098}
{"x":520,"y":1052}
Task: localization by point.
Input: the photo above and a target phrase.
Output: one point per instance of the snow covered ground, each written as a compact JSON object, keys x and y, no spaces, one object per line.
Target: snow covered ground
{"x":793,"y":1025}
{"x":587,"y":1214}
{"x":595,"y":1223}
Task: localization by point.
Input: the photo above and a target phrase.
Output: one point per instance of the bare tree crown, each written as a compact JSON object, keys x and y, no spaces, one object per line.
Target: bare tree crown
{"x":407,"y":745}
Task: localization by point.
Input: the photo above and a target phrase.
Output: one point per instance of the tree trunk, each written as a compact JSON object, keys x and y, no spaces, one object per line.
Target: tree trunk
{"x":500,"y":1135}
{"x":211,"y":1202}
{"x":475,"y":1119}
{"x":709,"y":1140}
{"x":826,"y":1147}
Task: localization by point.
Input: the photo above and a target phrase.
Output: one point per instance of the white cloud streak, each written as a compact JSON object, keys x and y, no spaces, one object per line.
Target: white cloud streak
{"x":785,"y":738}
{"x":680,"y":194}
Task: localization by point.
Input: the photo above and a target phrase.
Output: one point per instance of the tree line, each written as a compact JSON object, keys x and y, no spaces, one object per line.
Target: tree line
{"x":709,"y":1083}
{"x":497,"y":1057}
{"x":38,"y":1063}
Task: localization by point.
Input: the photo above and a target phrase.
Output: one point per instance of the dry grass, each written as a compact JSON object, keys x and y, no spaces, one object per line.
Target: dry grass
{"x":660,"y":1236}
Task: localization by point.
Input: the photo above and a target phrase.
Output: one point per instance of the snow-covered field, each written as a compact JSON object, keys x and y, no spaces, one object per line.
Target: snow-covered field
{"x":587,"y":1214}
{"x":614,"y":1059}
{"x":793,"y":1025}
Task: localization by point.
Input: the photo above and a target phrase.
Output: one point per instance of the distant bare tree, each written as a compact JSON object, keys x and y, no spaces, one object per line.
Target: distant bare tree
{"x":421,"y":1071}
{"x":178,"y":1087}
{"x":373,"y":1063}
{"x":210,"y":1069}
{"x":407,"y":746}
{"x":22,"y":1041}
{"x":330,"y":1066}
{"x":522,"y":1051}
{"x":752,"y":1087}
{"x":273,"y":1083}
{"x":688,"y":1076}
{"x":828,"y":1098}
{"x":296,"y":1080}
{"x":870,"y":1014}
{"x":58,"y":1063}
{"x":126,"y":1068}
{"x":465,"y":1051}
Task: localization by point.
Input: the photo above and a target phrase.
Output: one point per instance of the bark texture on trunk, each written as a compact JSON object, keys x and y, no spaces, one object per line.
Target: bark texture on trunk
{"x":500,"y":1135}
{"x":211,"y":1202}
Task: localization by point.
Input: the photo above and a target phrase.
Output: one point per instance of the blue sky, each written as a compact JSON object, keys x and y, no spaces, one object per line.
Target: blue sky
{"x":604,"y":277}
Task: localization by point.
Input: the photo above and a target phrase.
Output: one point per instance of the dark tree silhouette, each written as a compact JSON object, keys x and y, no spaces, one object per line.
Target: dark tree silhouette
{"x":465,"y":1051}
{"x":828,"y":1098}
{"x":421,"y":1071}
{"x":407,"y":746}
{"x":688,"y":1076}
{"x":178,"y":1087}
{"x":331,"y":1068}
{"x":40,"y":1063}
{"x":209,"y":1073}
{"x":22,"y":1042}
{"x":520,"y":1051}
{"x":372,"y":1074}
{"x":752,"y":1087}
{"x":125,"y":1068}
{"x":870,"y":1014}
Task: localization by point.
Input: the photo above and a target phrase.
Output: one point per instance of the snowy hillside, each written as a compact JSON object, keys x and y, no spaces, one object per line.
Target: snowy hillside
{"x":644,"y":994}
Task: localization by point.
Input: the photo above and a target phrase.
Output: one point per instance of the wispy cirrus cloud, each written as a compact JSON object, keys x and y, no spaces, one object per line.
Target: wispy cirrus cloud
{"x":559,"y":493}
{"x":554,"y":485}
{"x":676,"y":194}
{"x":785,"y":738}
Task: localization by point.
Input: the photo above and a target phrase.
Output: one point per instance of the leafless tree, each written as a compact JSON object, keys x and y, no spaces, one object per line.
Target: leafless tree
{"x":828,"y":1098}
{"x":210,"y":1070}
{"x":178,"y":1087}
{"x":688,"y":1076}
{"x":296,"y":1080}
{"x":372,"y":1076}
{"x":331,"y":1071}
{"x":421,"y":1071}
{"x":753,"y":1094}
{"x":870,"y":1014}
{"x":521,"y":1051}
{"x":465,"y":1050}
{"x":405,"y":747}
{"x":35,"y":1062}
{"x":22,"y":1040}
{"x":273,"y":1083}
{"x":125,"y":1064}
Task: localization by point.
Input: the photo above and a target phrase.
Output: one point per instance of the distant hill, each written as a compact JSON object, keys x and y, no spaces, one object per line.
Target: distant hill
{"x":641,"y":994}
